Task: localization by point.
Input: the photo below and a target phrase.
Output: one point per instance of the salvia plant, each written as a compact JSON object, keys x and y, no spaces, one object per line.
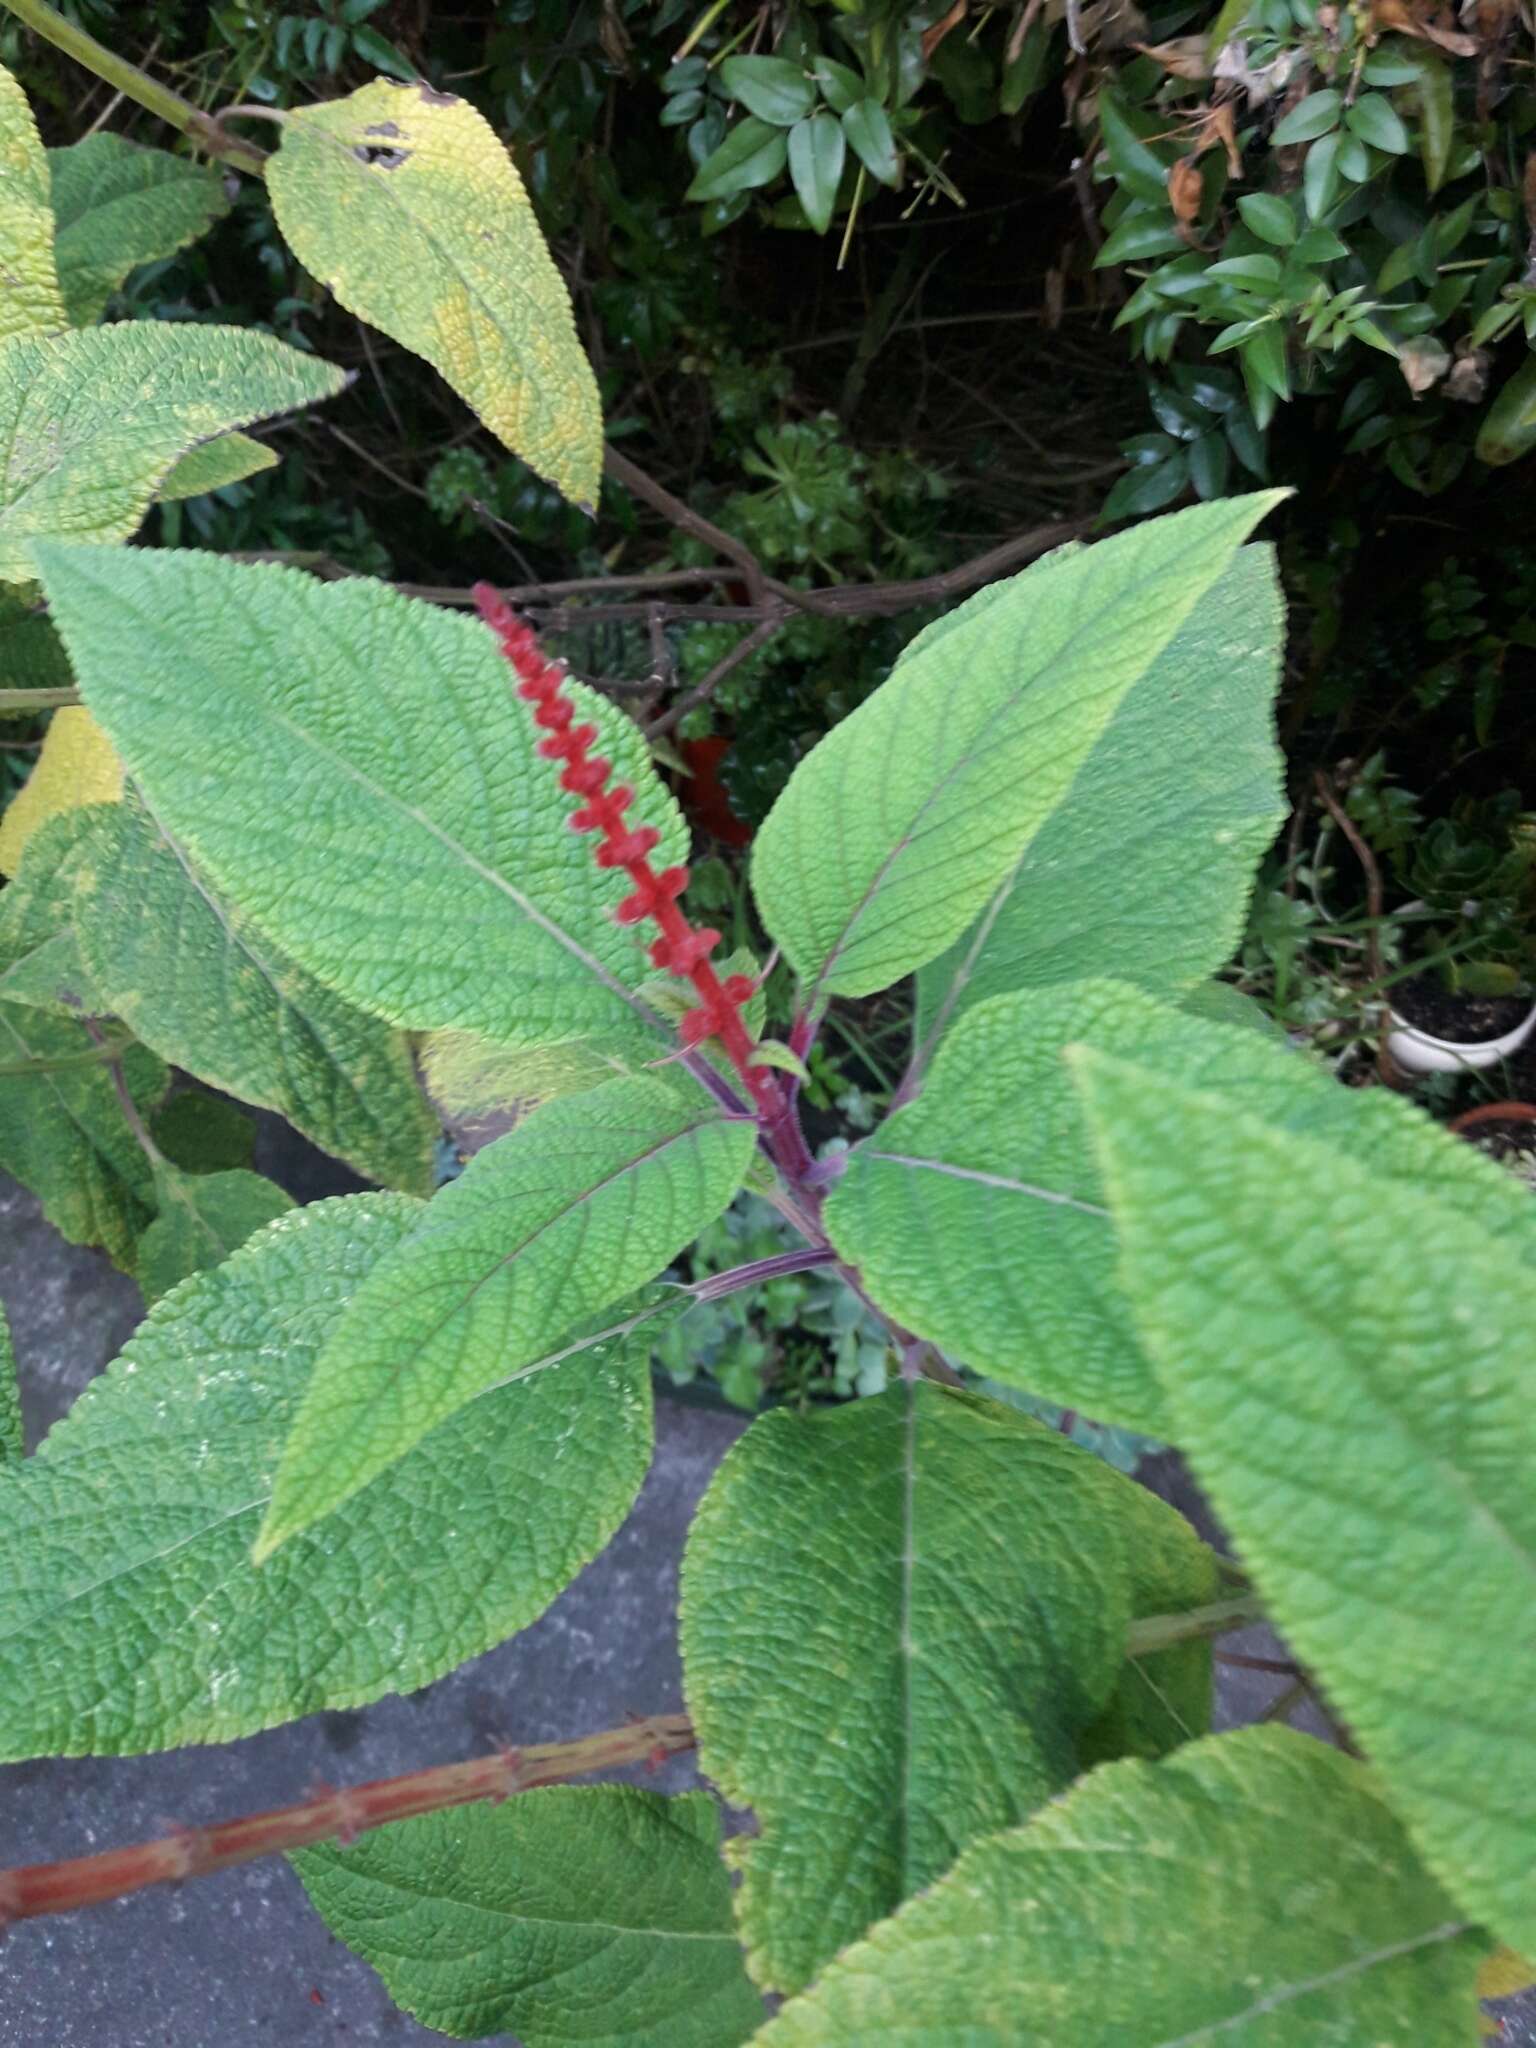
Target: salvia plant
{"x":956,"y":1668}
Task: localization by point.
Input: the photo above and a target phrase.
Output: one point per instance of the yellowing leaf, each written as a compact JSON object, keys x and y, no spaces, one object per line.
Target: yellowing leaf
{"x":93,"y":421}
{"x":77,"y":765}
{"x":30,"y":299}
{"x":228,"y":460}
{"x":406,"y":205}
{"x":1505,"y":1975}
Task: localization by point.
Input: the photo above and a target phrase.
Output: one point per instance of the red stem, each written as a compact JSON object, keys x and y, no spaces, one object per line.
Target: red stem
{"x":32,"y":1889}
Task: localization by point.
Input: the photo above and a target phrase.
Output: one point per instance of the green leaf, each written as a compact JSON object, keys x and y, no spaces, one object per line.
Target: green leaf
{"x":93,"y":422}
{"x":1148,"y":488}
{"x":817,"y":148}
{"x":12,"y":1442}
{"x":1437,"y":113}
{"x":1164,"y":1698}
{"x":1345,"y":1362}
{"x":840,"y":85}
{"x":594,"y":1915}
{"x":1320,"y":176}
{"x":228,"y":460}
{"x":1508,"y":431}
{"x":63,"y":1133}
{"x":976,"y":1214}
{"x":752,"y":154}
{"x":378,"y":51}
{"x":1320,"y":245}
{"x":1148,"y":233}
{"x":868,"y":129}
{"x":1318,"y":114}
{"x":203,"y":1133}
{"x":202,"y":1219}
{"x":1269,"y":217}
{"x":423,"y":868}
{"x":1254,"y":1888}
{"x":1375,"y":120}
{"x":1264,"y":360}
{"x":130,"y":1617}
{"x":1190,"y":759}
{"x":1257,"y":272}
{"x":1136,"y":165}
{"x":844,"y":866}
{"x":1210,"y":463}
{"x":585,"y":1200}
{"x":30,"y":299}
{"x":945,"y":1615}
{"x":213,"y":995}
{"x":404,"y":202}
{"x":32,"y":655}
{"x":117,"y":206}
{"x":774,"y":89}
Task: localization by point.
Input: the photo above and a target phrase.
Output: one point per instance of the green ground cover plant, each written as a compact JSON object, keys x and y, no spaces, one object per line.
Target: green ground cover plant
{"x":304,"y":836}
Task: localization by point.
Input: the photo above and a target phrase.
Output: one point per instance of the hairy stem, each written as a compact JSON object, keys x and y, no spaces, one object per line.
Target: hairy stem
{"x":32,"y":1889}
{"x":135,"y":84}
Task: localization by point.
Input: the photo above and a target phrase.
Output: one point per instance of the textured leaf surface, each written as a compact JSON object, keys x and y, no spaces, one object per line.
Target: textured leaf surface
{"x":1253,"y":1889}
{"x":1348,"y":1365}
{"x":1164,"y":1698}
{"x":213,"y":994}
{"x":228,"y":460}
{"x":944,"y":1615}
{"x":977,"y":1214}
{"x":30,"y":299}
{"x":405,"y":204}
{"x":77,"y":765}
{"x":582,"y":1203}
{"x":130,"y":1617}
{"x":425,"y":869}
{"x":12,"y":1444}
{"x":891,"y":836}
{"x":117,"y":206}
{"x":1148,"y":862}
{"x":599,"y":1915}
{"x":202,"y":1219}
{"x":92,"y":422}
{"x":62,"y":1129}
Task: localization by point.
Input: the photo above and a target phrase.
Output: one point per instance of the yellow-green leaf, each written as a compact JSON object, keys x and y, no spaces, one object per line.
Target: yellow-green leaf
{"x":202,"y":1218}
{"x":405,"y":204}
{"x":116,"y":206}
{"x":92,"y":422}
{"x":228,"y":460}
{"x":30,"y":299}
{"x":77,"y":765}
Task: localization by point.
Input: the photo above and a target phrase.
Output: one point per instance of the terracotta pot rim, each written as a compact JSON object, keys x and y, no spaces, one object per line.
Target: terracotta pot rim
{"x":1493,"y":1113}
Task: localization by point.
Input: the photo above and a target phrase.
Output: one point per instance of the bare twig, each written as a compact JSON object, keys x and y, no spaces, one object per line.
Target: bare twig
{"x":703,"y":691}
{"x":33,"y":1889}
{"x":1373,"y":892}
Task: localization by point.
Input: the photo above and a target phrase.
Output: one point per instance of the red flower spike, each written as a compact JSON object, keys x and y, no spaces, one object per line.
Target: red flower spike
{"x":680,"y":949}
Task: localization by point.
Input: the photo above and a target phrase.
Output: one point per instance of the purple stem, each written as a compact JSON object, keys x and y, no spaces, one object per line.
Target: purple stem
{"x":802,"y":1261}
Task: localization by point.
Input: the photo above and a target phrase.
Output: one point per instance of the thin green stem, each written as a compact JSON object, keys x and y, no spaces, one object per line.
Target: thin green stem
{"x":100,"y":1055}
{"x":135,"y":84}
{"x":1158,"y":1631}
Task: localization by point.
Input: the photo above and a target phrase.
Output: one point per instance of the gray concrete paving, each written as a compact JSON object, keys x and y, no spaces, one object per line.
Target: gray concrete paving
{"x":241,"y":1957}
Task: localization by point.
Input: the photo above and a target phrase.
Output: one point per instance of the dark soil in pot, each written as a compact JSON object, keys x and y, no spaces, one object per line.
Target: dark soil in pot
{"x":1430,"y":1006}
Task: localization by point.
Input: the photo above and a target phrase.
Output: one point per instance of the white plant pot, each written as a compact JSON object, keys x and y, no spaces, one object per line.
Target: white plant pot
{"x":1419,"y":1053}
